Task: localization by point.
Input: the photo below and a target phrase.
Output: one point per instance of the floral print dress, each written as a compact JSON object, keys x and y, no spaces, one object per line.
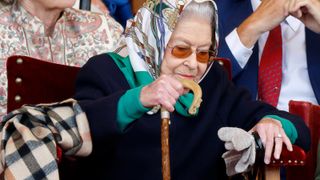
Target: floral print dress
{"x":77,"y":36}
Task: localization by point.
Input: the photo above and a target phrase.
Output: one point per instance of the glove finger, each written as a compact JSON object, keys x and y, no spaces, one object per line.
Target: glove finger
{"x":245,"y":156}
{"x":226,"y":133}
{"x":249,"y":155}
{"x":247,"y":159}
{"x":242,"y":140}
{"x":228,"y":145}
{"x":241,"y":167}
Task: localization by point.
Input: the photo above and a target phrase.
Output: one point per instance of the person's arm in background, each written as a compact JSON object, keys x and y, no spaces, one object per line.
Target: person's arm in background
{"x":242,"y":39}
{"x":308,"y":11}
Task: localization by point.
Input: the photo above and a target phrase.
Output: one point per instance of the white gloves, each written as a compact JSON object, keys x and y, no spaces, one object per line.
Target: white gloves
{"x":241,"y":148}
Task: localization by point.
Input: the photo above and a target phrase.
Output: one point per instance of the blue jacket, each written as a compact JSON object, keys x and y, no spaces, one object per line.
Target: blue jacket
{"x":120,"y":10}
{"x":231,"y":14}
{"x":195,"y":148}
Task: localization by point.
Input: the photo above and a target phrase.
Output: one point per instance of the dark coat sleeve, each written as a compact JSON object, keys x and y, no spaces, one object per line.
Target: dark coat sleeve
{"x":99,"y":86}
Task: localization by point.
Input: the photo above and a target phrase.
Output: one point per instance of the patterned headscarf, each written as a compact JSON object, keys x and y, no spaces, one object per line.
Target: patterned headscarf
{"x":7,"y":1}
{"x":147,"y":35}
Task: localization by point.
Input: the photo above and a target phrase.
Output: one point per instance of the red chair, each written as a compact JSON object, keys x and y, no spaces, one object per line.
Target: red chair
{"x":311,"y":115}
{"x":33,"y":81}
{"x":299,"y":165}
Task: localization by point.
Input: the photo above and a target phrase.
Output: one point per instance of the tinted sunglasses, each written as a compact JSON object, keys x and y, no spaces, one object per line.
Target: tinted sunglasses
{"x":203,"y":56}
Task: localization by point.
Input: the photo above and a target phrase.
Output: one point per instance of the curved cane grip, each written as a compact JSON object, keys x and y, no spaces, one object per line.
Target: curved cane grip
{"x":193,"y":86}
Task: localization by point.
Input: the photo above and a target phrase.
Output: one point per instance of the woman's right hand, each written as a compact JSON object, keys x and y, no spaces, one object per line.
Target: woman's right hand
{"x":164,"y":91}
{"x":308,"y":11}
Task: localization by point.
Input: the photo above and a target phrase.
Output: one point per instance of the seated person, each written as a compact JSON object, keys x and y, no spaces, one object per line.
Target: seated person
{"x":54,"y":32}
{"x":119,"y":93}
{"x":246,"y":26}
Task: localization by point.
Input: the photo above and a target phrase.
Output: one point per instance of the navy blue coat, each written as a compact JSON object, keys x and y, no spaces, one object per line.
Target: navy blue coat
{"x":195,"y":148}
{"x":231,"y":14}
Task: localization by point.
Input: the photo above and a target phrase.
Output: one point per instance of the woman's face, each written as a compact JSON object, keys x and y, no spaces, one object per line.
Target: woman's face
{"x":194,"y":33}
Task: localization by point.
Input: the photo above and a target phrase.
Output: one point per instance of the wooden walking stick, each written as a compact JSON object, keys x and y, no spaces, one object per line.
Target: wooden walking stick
{"x":165,"y":116}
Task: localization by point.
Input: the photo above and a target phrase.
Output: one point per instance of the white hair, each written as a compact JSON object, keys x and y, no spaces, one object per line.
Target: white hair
{"x":204,"y":10}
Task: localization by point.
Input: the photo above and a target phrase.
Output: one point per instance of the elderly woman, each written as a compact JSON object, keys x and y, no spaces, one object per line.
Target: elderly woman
{"x":170,"y":40}
{"x":52,"y":31}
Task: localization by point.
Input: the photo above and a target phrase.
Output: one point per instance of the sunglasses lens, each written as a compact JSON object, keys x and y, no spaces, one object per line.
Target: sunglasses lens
{"x":203,"y":56}
{"x":184,"y":52}
{"x":181,"y":52}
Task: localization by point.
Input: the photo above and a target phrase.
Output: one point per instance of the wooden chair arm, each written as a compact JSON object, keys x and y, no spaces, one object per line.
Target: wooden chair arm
{"x":294,"y":158}
{"x":297,"y":157}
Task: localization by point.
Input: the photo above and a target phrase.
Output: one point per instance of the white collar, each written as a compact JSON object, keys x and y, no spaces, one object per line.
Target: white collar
{"x":291,"y":21}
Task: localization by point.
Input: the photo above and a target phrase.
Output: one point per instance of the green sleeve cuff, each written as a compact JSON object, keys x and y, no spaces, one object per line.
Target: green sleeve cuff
{"x":130,"y":108}
{"x":288,"y":127}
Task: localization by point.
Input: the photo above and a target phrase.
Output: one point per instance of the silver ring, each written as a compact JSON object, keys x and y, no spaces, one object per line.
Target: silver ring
{"x":278,"y":136}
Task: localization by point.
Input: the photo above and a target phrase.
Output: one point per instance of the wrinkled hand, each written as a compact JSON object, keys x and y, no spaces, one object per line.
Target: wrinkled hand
{"x":268,"y":15}
{"x":308,"y":11}
{"x":272,"y":136}
{"x":164,"y":91}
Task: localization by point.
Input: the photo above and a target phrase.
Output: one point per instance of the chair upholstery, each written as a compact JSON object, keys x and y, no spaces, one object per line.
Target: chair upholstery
{"x":311,"y":115}
{"x":33,"y":81}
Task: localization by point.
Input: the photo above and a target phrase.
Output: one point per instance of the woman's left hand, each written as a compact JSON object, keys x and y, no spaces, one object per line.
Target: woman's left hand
{"x":272,"y":136}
